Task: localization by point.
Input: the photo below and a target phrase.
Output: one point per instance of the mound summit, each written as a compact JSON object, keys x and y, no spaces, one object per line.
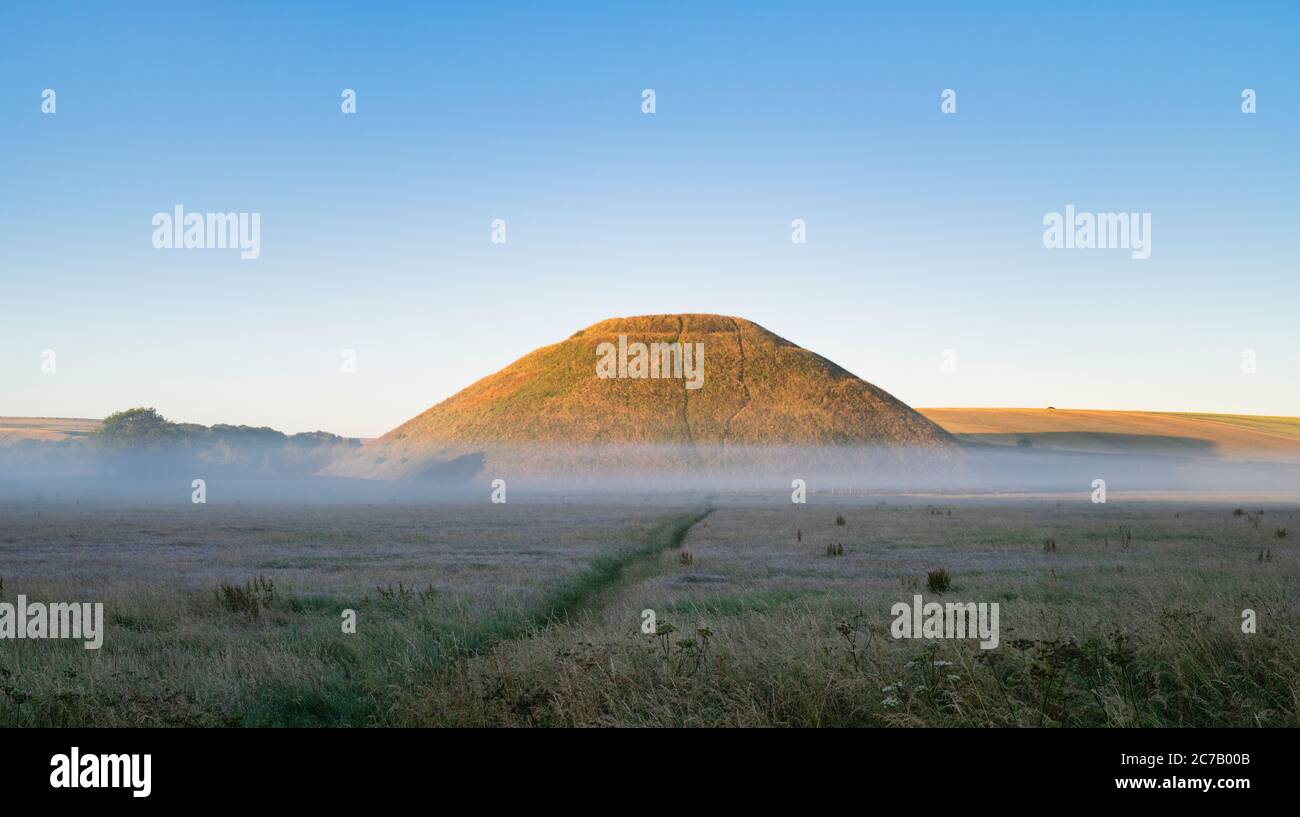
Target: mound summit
{"x":759,"y":389}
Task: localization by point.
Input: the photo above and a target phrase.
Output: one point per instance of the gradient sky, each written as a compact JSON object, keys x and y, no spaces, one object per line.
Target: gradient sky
{"x":924,"y":230}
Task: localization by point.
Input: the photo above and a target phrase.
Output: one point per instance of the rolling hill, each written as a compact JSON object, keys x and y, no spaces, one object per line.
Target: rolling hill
{"x":758,"y":389}
{"x":44,"y":429}
{"x":1227,"y":436}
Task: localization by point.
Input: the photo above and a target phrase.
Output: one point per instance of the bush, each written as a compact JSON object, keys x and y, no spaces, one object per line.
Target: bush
{"x":938,"y":581}
{"x":250,"y":598}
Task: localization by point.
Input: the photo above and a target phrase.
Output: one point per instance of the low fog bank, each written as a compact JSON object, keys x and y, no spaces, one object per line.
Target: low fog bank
{"x":140,"y":444}
{"x":883,"y":470}
{"x":53,"y":473}
{"x":219,"y":487}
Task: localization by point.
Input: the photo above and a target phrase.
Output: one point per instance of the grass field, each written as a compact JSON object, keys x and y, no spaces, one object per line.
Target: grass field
{"x":530,"y":613}
{"x":1235,"y":436}
{"x":44,"y":429}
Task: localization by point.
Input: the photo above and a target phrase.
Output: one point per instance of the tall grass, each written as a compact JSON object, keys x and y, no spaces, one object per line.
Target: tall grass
{"x":1147,"y":635}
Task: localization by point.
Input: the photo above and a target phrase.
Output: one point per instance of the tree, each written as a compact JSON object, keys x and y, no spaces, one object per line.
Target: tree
{"x":139,"y":428}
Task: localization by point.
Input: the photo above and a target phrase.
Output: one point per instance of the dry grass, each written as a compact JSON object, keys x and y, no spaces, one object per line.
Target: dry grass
{"x":44,"y":429}
{"x":760,"y":629}
{"x":1224,"y":435}
{"x":1148,"y":635}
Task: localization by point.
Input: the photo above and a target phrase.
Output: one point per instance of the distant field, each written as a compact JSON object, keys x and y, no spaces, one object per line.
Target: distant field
{"x":1234,"y":436}
{"x":47,"y":429}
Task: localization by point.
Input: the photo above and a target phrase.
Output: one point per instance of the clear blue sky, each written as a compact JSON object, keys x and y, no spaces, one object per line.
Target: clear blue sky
{"x":924,"y":230}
